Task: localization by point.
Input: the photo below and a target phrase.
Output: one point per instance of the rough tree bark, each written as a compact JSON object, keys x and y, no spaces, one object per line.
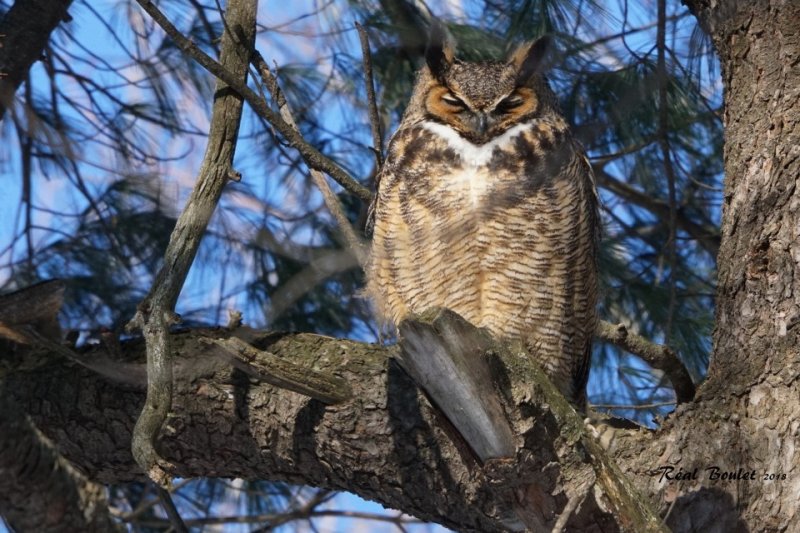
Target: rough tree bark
{"x":747,"y":413}
{"x":39,"y":489}
{"x":388,"y":444}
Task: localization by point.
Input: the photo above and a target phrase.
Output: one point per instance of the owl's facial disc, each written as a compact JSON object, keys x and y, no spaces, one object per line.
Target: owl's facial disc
{"x":480,"y":121}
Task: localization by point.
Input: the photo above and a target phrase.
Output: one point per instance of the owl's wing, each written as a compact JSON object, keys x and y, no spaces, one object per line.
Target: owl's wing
{"x":596,"y":202}
{"x":373,"y":205}
{"x":383,"y":176}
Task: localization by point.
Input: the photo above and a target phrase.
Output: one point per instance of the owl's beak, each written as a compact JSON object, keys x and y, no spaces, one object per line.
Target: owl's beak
{"x":481,"y":123}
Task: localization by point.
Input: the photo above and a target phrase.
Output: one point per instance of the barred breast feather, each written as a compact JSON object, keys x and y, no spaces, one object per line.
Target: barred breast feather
{"x":503,"y":233}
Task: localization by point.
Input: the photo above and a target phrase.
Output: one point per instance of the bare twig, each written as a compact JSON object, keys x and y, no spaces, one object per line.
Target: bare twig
{"x":331,"y":201}
{"x":146,"y":503}
{"x":656,"y":355}
{"x":172,"y":512}
{"x":706,"y":235}
{"x":313,"y":157}
{"x":369,"y":81}
{"x":303,"y":511}
{"x":26,"y":143}
{"x":275,"y":519}
{"x":155,"y":314}
{"x":642,"y":407}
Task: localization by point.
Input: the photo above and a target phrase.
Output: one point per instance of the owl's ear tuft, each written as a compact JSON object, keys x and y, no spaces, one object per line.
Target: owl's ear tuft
{"x":440,"y":52}
{"x":531,"y":58}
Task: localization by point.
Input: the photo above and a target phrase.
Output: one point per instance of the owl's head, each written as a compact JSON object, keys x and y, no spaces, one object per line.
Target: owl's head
{"x":481,"y":100}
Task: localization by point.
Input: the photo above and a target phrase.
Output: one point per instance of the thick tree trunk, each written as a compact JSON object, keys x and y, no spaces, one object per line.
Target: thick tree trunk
{"x":746,"y":418}
{"x":758,"y":313}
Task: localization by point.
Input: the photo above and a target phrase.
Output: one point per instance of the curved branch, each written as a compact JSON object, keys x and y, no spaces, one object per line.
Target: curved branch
{"x":155,"y":314}
{"x":656,"y":355}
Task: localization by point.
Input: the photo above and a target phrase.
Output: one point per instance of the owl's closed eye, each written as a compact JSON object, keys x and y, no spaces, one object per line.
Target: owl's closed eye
{"x":482,"y":100}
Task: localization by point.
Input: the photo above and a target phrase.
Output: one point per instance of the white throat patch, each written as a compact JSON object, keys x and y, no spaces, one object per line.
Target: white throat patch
{"x":475,"y":155}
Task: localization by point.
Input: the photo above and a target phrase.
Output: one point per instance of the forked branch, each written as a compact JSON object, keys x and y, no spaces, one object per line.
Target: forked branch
{"x":155,"y":314}
{"x":331,"y":201}
{"x":312,"y":157}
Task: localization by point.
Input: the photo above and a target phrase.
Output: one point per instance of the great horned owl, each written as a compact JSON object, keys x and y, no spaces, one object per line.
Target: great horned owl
{"x":486,"y":205}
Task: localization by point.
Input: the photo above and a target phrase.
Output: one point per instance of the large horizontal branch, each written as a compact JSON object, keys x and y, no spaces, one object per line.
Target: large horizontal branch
{"x":39,"y":490}
{"x":386,"y":443}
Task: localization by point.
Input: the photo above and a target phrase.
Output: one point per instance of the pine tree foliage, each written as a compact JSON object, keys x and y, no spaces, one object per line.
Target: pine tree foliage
{"x":102,"y":142}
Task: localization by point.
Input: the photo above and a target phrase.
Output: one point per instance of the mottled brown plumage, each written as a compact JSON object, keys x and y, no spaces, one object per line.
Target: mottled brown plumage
{"x":486,"y":205}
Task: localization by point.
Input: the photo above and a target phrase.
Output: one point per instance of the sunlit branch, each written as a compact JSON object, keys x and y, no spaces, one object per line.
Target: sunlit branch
{"x":313,"y":157}
{"x":656,"y":355}
{"x":331,"y":201}
{"x":634,"y":407}
{"x":155,"y":314}
{"x":369,"y":81}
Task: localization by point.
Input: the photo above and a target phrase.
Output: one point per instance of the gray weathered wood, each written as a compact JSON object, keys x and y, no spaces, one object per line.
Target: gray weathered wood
{"x":444,"y":354}
{"x":156,"y":313}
